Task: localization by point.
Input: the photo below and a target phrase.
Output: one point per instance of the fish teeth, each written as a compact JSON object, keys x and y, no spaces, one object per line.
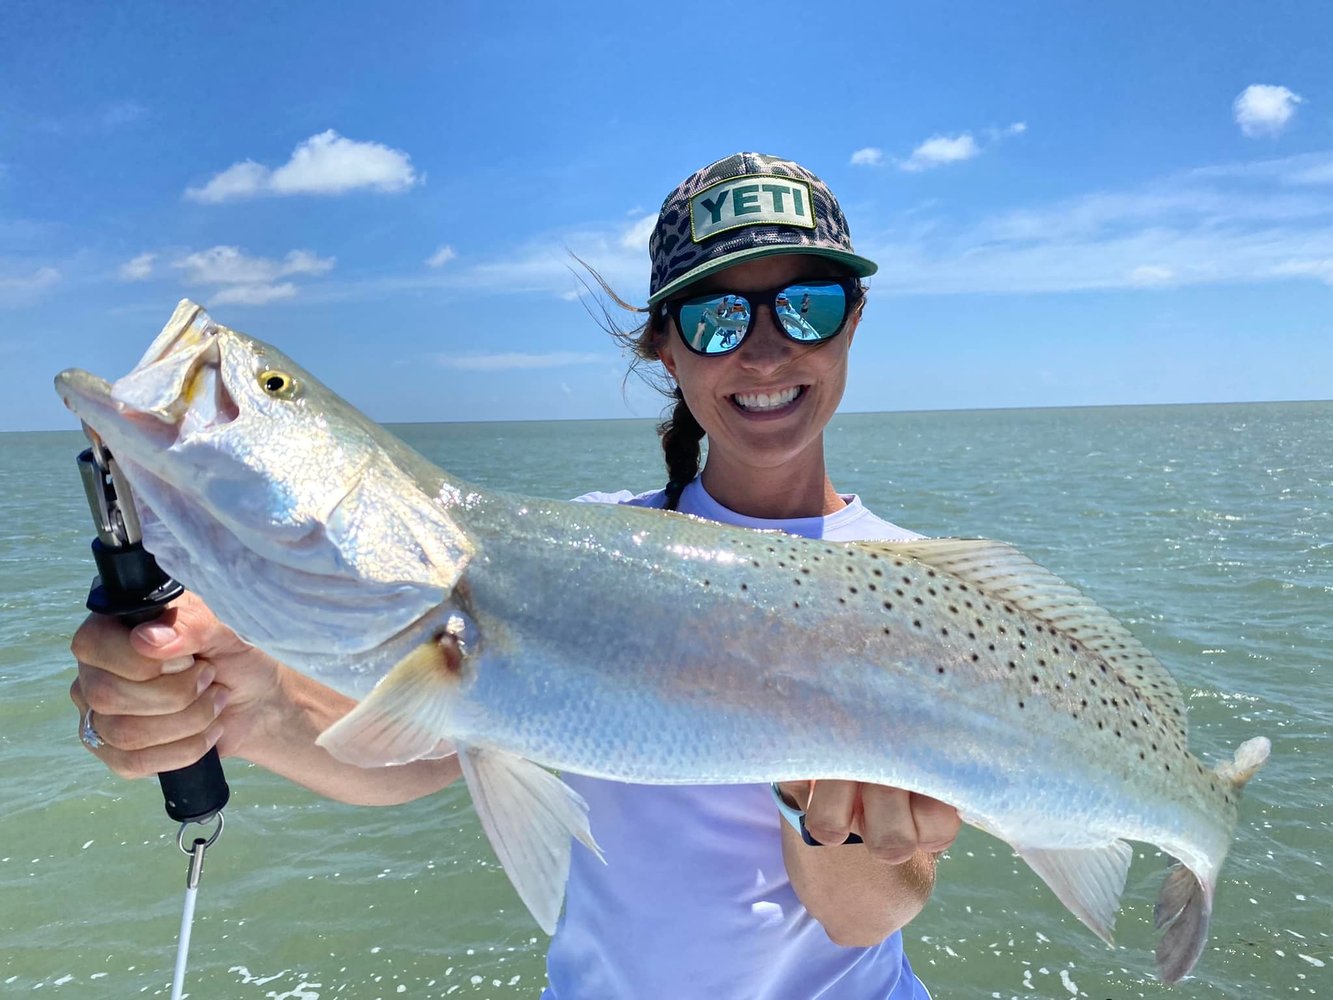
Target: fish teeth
{"x":766,"y":400}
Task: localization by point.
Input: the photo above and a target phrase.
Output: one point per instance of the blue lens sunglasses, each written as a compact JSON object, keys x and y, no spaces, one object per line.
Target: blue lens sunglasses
{"x":808,"y":312}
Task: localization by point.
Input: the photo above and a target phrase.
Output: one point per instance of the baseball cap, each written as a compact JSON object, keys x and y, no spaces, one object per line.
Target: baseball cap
{"x":742,"y":207}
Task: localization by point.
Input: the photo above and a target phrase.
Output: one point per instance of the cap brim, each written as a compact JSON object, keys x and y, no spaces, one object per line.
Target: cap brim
{"x":859,"y":266}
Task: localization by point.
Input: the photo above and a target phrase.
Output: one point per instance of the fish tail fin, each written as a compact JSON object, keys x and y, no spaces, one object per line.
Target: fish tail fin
{"x":1184,"y":909}
{"x":1185,"y":904}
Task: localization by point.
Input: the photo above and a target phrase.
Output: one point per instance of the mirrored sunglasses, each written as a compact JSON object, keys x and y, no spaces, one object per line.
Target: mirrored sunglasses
{"x":808,"y":312}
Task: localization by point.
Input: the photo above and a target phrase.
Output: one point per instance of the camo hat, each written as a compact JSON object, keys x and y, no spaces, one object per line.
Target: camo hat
{"x":746,"y":206}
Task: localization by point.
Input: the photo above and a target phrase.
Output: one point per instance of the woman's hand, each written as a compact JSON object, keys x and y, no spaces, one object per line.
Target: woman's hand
{"x":893,"y":822}
{"x":859,"y":894}
{"x":165,"y":691}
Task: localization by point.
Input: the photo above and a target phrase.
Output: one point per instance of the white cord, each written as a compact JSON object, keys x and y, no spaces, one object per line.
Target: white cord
{"x":183,"y":944}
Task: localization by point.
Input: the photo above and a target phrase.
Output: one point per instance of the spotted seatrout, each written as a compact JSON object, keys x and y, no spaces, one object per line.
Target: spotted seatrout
{"x":650,"y":647}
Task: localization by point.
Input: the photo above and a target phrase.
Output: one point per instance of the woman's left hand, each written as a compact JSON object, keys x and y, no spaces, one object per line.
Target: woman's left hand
{"x":893,"y":822}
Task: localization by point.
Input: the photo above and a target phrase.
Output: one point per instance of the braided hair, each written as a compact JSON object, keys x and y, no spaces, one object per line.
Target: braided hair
{"x":680,"y":434}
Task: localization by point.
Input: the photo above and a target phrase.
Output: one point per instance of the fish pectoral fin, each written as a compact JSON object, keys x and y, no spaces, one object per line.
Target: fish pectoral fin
{"x":529,"y":815}
{"x":1184,"y":910}
{"x":403,"y":718}
{"x":1089,"y":881}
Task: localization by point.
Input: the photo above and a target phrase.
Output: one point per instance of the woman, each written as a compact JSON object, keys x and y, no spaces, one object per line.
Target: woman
{"x":711,"y":890}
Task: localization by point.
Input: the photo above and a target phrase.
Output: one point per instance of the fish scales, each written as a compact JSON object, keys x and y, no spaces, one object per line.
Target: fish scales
{"x":653,"y":647}
{"x":852,"y":614}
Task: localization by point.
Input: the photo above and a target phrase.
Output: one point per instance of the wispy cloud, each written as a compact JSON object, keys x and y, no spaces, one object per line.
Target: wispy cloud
{"x":121,"y":113}
{"x":325,"y":164}
{"x":939,"y":150}
{"x":636,"y":236}
{"x":441,"y":257}
{"x":23,"y":287}
{"x":138,"y":268}
{"x":1238,"y":223}
{"x":247,"y":280}
{"x":513,"y":361}
{"x":252,"y":295}
{"x":868,"y":156}
{"x":1262,"y":109}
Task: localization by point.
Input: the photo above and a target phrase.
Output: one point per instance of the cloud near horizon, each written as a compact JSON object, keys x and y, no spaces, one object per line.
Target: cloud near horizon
{"x":513,"y":361}
{"x":325,"y":164}
{"x":1262,"y":109}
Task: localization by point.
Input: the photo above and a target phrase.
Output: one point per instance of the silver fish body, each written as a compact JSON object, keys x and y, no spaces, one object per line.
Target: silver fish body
{"x":657,"y":648}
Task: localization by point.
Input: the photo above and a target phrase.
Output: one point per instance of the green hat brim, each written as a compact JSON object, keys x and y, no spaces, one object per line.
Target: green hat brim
{"x":859,"y":266}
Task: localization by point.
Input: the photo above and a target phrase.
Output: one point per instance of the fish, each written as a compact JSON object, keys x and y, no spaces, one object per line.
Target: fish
{"x":534,"y":637}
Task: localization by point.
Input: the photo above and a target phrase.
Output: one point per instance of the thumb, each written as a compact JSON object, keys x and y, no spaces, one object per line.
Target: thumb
{"x":186,"y":628}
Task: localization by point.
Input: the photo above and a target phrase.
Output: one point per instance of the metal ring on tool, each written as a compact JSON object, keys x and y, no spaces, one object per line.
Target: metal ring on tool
{"x":180,"y":835}
{"x":88,"y":735}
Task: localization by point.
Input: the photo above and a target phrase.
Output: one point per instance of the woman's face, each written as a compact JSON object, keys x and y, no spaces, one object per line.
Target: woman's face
{"x":765,"y":404}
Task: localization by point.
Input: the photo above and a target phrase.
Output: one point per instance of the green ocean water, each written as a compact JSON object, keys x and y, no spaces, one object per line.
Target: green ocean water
{"x":1207,"y":529}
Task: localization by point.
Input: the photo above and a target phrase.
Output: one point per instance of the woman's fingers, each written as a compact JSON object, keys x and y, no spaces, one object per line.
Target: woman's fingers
{"x":137,"y":745}
{"x":894,"y":823}
{"x":109,"y":693}
{"x":830,"y":811}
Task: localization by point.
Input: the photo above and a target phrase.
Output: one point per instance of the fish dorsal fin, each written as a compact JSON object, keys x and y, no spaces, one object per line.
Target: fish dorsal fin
{"x":1088,"y":881}
{"x":1004,"y":574}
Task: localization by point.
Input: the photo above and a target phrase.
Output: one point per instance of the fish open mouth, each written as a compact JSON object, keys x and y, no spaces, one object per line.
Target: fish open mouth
{"x":176,"y":390}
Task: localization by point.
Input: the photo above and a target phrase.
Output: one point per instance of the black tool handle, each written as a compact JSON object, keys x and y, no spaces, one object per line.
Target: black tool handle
{"x":132,"y":587}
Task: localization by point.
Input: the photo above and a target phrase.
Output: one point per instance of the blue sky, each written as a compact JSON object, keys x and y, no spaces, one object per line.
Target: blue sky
{"x":1070,"y":203}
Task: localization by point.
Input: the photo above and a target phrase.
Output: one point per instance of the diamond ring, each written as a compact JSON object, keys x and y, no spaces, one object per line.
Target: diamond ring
{"x":88,"y":734}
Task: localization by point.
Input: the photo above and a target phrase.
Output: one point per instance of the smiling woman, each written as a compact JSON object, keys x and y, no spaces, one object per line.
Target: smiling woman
{"x":709,"y":890}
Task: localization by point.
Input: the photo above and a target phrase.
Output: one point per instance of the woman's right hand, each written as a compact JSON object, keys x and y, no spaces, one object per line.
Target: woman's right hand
{"x":165,"y":691}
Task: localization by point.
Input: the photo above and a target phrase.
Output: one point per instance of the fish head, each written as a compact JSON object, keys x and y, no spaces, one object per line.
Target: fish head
{"x":262,"y":490}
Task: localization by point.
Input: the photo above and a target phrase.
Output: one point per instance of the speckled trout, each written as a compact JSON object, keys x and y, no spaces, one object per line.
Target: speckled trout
{"x":652,"y":647}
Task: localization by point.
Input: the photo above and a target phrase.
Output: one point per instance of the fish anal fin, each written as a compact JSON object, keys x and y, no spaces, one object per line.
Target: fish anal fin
{"x":1089,"y":881}
{"x":1184,"y":910}
{"x":529,"y":815}
{"x":404,"y":717}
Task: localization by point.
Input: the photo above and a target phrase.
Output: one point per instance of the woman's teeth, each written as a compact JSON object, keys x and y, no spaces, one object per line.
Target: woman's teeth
{"x":766,"y":400}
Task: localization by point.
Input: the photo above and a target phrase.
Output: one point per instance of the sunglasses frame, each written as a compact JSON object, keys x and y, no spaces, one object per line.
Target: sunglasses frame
{"x":851,"y":289}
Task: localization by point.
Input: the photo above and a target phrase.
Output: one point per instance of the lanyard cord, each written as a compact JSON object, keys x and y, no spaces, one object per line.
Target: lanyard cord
{"x":192,"y":876}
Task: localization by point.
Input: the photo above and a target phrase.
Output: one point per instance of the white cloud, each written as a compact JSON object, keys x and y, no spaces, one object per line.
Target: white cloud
{"x":1236,"y":223}
{"x":1265,"y":110}
{"x":1148,"y":275}
{"x":1016,"y":128}
{"x":252,"y":295}
{"x":122,"y":113}
{"x":222,"y":265}
{"x":246,"y":280}
{"x":441,"y":257}
{"x":38,"y":280}
{"x":636,"y":236}
{"x":1320,"y":269}
{"x":869,"y":156}
{"x":326,"y":163}
{"x":941,"y":149}
{"x":138,"y":268}
{"x":514,"y":361}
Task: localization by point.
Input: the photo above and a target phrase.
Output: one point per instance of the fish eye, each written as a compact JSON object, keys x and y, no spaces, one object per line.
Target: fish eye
{"x":278,"y":384}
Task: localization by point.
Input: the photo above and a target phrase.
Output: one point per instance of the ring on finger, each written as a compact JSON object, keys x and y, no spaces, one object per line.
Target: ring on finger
{"x":88,"y":735}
